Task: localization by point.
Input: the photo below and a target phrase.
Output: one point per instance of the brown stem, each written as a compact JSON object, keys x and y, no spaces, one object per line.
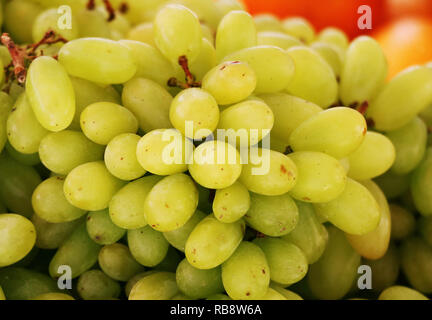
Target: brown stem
{"x":109,"y":8}
{"x":363,"y":107}
{"x":49,"y":38}
{"x":91,"y":4}
{"x":18,"y":57}
{"x":124,"y":7}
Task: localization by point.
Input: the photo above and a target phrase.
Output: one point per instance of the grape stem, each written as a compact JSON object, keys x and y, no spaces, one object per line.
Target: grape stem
{"x":109,"y":8}
{"x":189,"y":77}
{"x":124,"y":7}
{"x":18,"y":59}
{"x":91,"y":4}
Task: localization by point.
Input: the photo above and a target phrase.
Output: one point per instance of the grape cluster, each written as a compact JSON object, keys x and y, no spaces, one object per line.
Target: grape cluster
{"x":183,"y":149}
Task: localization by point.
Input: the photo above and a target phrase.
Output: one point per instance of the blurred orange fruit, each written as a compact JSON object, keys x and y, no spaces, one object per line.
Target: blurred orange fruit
{"x":400,"y":8}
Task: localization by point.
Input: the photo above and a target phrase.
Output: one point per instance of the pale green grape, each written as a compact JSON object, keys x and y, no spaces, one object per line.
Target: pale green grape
{"x":5,"y":57}
{"x":401,"y":293}
{"x":299,"y":28}
{"x":50,"y":93}
{"x":421,"y":185}
{"x":226,"y":6}
{"x":19,"y":16}
{"x":337,"y":132}
{"x":204,"y":61}
{"x":96,"y":285}
{"x":403,"y":222}
{"x":92,"y":23}
{"x":334,"y":36}
{"x":289,"y":295}
{"x":246,"y":274}
{"x":63,"y":151}
{"x":142,"y":32}
{"x":75,"y":4}
{"x":392,"y":184}
{"x":53,"y":296}
{"x":278,"y":39}
{"x":313,"y":80}
{"x":206,"y":10}
{"x":102,"y":121}
{"x":232,"y":203}
{"x":147,"y":246}
{"x":101,"y":229}
{"x":50,"y":204}
{"x":321,"y":178}
{"x":374,"y":157}
{"x":90,"y":186}
{"x":119,"y":27}
{"x":408,"y":92}
{"x":331,"y":54}
{"x":156,"y":286}
{"x":6,"y":104}
{"x":31,"y":159}
{"x":18,"y":238}
{"x":208,"y":34}
{"x":212,"y":242}
{"x":49,"y":20}
{"x":99,"y":60}
{"x":267,"y":22}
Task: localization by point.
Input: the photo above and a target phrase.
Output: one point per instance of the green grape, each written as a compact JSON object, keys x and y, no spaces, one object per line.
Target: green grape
{"x":206,"y":10}
{"x":273,"y":216}
{"x":49,"y":202}
{"x":205,"y":61}
{"x":75,"y":4}
{"x":96,"y":285}
{"x":392,"y":184}
{"x":119,"y":27}
{"x":90,"y":186}
{"x":401,"y":293}
{"x":313,"y":80}
{"x":117,"y":262}
{"x":195,"y":113}
{"x":23,"y":129}
{"x":309,"y":234}
{"x":246,"y":274}
{"x":278,"y":39}
{"x":147,"y":246}
{"x":126,"y":206}
{"x":426,"y":115}
{"x":232,"y":203}
{"x":121,"y":159}
{"x":101,"y":229}
{"x":149,"y":102}
{"x":79,"y":252}
{"x":287,"y":262}
{"x":53,"y":296}
{"x":299,"y":28}
{"x":49,"y":20}
{"x":2,"y":296}
{"x":333,"y":275}
{"x":408,"y":93}
{"x":250,"y":121}
{"x":142,"y":32}
{"x":267,"y":22}
{"x":273,"y":67}
{"x":63,"y":151}
{"x":320,"y":178}
{"x":18,"y":238}
{"x":99,"y":60}
{"x":403,"y":222}
{"x":331,"y":54}
{"x":92,"y":23}
{"x":50,"y":93}
{"x":212,"y":242}
{"x":6,"y":58}
{"x":420,"y":185}
{"x":197,"y":283}
{"x":170,"y":262}
{"x":15,"y":91}
{"x":177,"y":32}
{"x":215,"y":165}
{"x":17,"y":183}
{"x":132,"y":281}
{"x":218,"y":296}
{"x":156,"y":286}
{"x":178,"y":237}
{"x":334,"y":36}
{"x":19,"y":16}
{"x":31,"y":159}
{"x":374,"y":157}
{"x":410,"y":144}
{"x":226,"y":6}
{"x":171,"y":202}
{"x":288,"y":294}
{"x":239,"y":23}
{"x":6,"y":104}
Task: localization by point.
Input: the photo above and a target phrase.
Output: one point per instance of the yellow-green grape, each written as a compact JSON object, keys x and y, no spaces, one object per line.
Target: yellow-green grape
{"x":205,"y":60}
{"x":2,"y":296}
{"x":164,"y":152}
{"x":206,"y":10}
{"x":273,"y":67}
{"x":126,"y":207}
{"x":410,"y":144}
{"x":246,"y":274}
{"x":320,"y":177}
{"x":208,"y":34}
{"x":17,"y":183}
{"x":267,"y":22}
{"x":6,"y":58}
{"x":426,"y":115}
{"x":119,"y":27}
{"x":121,"y":158}
{"x":177,"y":32}
{"x":92,"y":23}
{"x":212,"y":242}
{"x":235,"y":22}
{"x":96,"y":285}
{"x":232,"y":203}
{"x":6,"y":104}
{"x":420,"y":185}
{"x":170,"y":262}
{"x":50,"y":93}
{"x":331,"y":54}
{"x":403,"y":222}
{"x":99,"y":60}
{"x":374,"y":157}
{"x":288,"y":294}
{"x":49,"y":202}
{"x":401,"y":293}
{"x":171,"y":202}
{"x":313,"y":80}
{"x":53,"y":296}
{"x":31,"y":159}
{"x":273,"y":216}
{"x":49,"y":20}
{"x":63,"y":151}
{"x":333,"y":275}
{"x":230,"y":82}
{"x":195,"y":113}
{"x":272,"y":294}
{"x":393,"y":185}
{"x":219,"y":296}
{"x":101,"y":229}
{"x":15,"y":91}
{"x":309,"y":234}
{"x":24,"y":131}
{"x":278,"y":39}
{"x":416,"y":262}
{"x":132,"y":281}
{"x":299,"y":28}
{"x":425,"y":228}
{"x":250,"y":121}
{"x":19,"y":16}
{"x":374,"y":245}
{"x":408,"y":93}
{"x":102,"y":121}
{"x":142,"y":32}
{"x":79,"y":252}
{"x":149,"y":102}
{"x":197,"y":283}
{"x":225,"y":6}
{"x":117,"y":262}
{"x":147,"y":246}
{"x":287,"y":262}
{"x":334,"y":36}
{"x":18,"y":238}
{"x":90,"y":186}
{"x":178,"y":237}
{"x":216,"y":165}
{"x":337,"y":132}
{"x":156,"y":286}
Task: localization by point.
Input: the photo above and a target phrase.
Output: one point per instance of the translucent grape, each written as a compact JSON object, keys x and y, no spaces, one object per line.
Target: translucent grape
{"x":278,"y":39}
{"x":299,"y":28}
{"x":49,"y":20}
{"x":147,"y":246}
{"x":403,"y":222}
{"x":232,"y":203}
{"x":96,"y":285}
{"x":5,"y":107}
{"x":289,"y":295}
{"x":101,"y":229}
{"x":31,"y":159}
{"x":205,"y":61}
{"x":267,"y":22}
{"x":53,"y":296}
{"x":157,"y":286}
{"x":19,"y":16}
{"x":420,"y":185}
{"x":332,"y":54}
{"x":334,"y":36}
{"x":92,"y":23}
{"x":401,"y":293}
{"x":142,"y":32}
